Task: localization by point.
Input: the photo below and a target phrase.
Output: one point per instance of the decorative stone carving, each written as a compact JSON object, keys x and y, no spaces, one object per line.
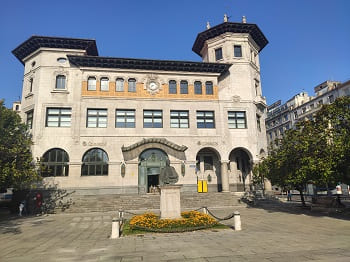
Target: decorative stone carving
{"x":152,"y":84}
{"x":236,"y":99}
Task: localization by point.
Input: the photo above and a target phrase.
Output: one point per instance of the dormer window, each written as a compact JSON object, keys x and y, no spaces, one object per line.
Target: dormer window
{"x":237,"y":50}
{"x":218,"y":54}
{"x":60,"y":82}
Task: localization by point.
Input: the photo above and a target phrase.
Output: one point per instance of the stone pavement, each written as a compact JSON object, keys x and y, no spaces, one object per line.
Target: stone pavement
{"x":269,"y":233}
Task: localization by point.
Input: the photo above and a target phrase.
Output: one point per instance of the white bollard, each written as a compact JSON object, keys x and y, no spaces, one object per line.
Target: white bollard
{"x":205,"y":211}
{"x":237,"y":219}
{"x":115,"y":228}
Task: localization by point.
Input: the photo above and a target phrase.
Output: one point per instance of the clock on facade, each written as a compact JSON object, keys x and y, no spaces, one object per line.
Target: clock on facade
{"x":153,"y":86}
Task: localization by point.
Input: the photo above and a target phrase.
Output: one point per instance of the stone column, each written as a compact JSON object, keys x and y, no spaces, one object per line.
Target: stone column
{"x":224,"y":176}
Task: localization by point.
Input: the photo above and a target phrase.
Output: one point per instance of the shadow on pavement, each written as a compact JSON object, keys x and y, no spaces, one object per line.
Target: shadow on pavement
{"x":295,"y":207}
{"x":9,"y":223}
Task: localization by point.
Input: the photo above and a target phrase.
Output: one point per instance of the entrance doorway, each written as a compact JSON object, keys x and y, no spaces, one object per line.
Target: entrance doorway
{"x":151,"y":163}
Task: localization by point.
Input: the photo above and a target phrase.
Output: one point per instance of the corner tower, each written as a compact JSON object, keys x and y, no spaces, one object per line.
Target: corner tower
{"x":238,"y":44}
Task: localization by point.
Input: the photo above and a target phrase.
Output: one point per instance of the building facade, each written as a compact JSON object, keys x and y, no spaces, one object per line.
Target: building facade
{"x":301,"y":107}
{"x":107,"y":125}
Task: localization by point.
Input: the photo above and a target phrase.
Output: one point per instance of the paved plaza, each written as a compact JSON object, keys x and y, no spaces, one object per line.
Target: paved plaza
{"x":269,"y":233}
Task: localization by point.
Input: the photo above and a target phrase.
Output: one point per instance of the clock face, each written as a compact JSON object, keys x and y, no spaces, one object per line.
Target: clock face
{"x":153,"y":86}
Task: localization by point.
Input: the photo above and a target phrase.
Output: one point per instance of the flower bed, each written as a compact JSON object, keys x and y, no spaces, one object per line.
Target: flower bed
{"x":191,"y":220}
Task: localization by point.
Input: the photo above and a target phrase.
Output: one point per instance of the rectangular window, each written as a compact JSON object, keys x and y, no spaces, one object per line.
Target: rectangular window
{"x":285,"y":117}
{"x":205,"y":119}
{"x":179,"y":119}
{"x":218,"y":54}
{"x":125,"y":118}
{"x":258,"y":123}
{"x":60,"y":82}
{"x":237,"y":51}
{"x":58,"y":117}
{"x":96,"y":118}
{"x":295,"y":115}
{"x":312,"y":106}
{"x":209,"y":88}
{"x":237,"y":120}
{"x":198,"y":87}
{"x":30,"y":119}
{"x":120,"y":85}
{"x":331,"y":99}
{"x":152,"y":118}
{"x":183,"y":87}
{"x":104,"y":84}
{"x":320,"y":102}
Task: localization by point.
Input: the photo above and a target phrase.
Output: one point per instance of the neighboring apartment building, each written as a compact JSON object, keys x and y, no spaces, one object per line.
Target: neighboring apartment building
{"x":107,"y":125}
{"x":301,"y":107}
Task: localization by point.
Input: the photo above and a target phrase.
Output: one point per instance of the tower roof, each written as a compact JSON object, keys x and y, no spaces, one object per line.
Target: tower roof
{"x":251,"y":29}
{"x":35,"y":42}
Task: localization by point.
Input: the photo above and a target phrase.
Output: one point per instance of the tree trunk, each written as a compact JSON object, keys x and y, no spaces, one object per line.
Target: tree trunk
{"x":302,"y":198}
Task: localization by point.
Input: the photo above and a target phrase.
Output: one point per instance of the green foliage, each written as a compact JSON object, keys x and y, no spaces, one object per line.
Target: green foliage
{"x":17,"y":168}
{"x":315,"y":151}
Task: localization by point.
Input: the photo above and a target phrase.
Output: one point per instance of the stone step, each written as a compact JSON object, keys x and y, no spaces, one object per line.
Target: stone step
{"x":106,"y":203}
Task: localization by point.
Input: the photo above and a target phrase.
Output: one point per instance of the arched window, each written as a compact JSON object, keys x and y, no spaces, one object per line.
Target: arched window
{"x":198,"y":87}
{"x":60,"y":82}
{"x":119,"y":85}
{"x":183,"y":87}
{"x":95,"y":163}
{"x":172,"y":87}
{"x":209,"y":88}
{"x":55,"y":163}
{"x":104,"y":84}
{"x":92,"y":83}
{"x":132,"y":85}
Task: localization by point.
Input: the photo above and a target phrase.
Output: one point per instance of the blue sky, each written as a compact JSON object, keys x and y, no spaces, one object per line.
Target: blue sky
{"x":309,"y":40}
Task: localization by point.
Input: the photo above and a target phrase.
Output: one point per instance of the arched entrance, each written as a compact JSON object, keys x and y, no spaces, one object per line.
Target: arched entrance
{"x":208,"y":167}
{"x":241,"y":167}
{"x":151,"y":161}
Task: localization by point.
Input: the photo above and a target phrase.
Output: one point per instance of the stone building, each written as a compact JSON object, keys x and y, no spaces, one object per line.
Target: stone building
{"x":107,"y":125}
{"x":302,"y":107}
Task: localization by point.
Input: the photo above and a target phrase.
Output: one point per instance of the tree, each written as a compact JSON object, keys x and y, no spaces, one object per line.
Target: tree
{"x":334,"y":120}
{"x":17,"y":168}
{"x":315,"y":151}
